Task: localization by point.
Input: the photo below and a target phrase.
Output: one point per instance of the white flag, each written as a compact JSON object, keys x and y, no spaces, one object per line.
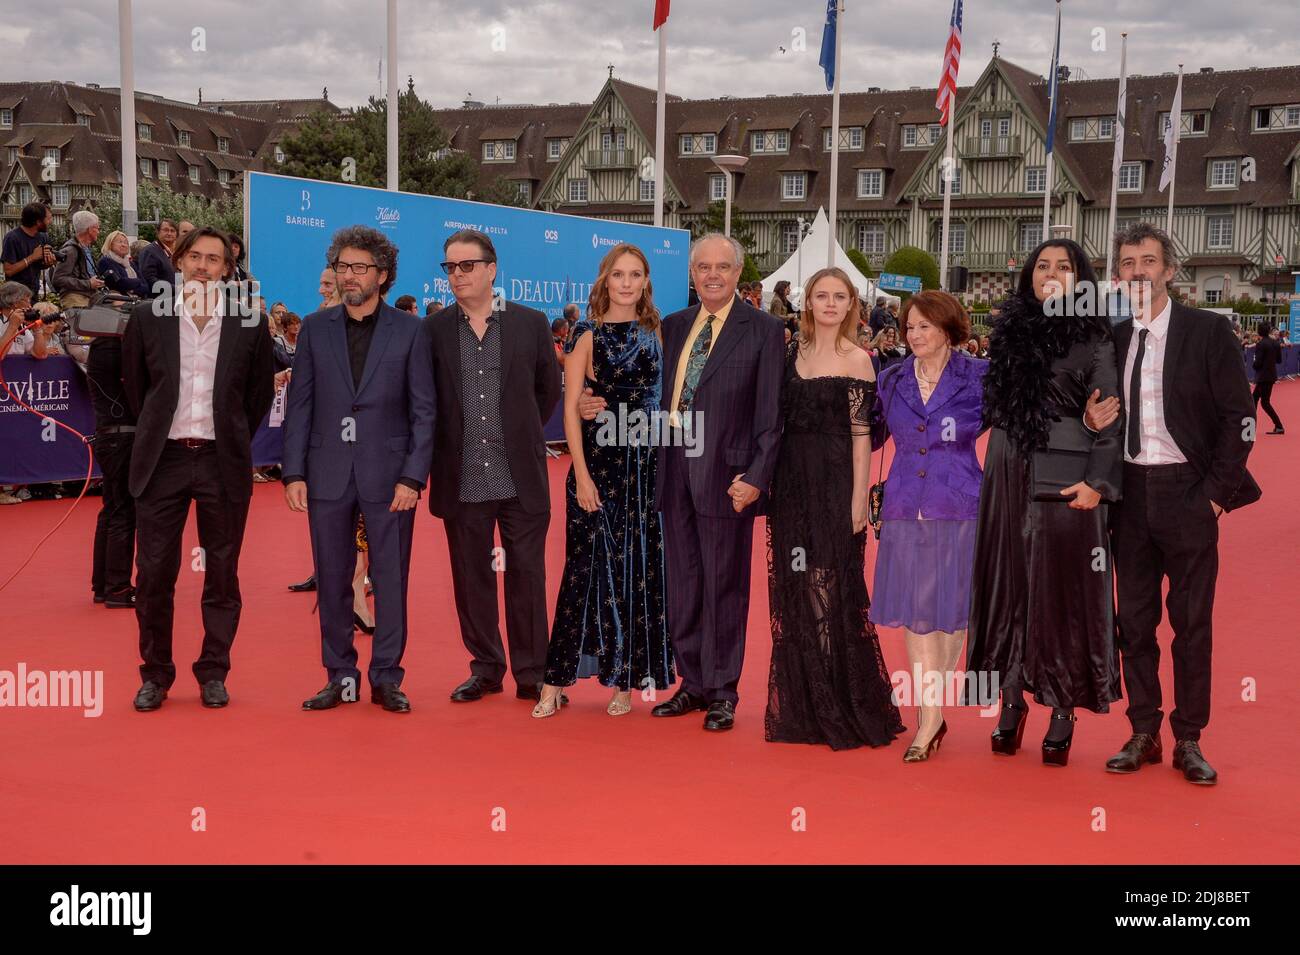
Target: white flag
{"x":1172,"y":135}
{"x":1119,"y":123}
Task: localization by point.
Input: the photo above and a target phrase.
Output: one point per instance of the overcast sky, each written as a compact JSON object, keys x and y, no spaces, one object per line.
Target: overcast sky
{"x":557,"y":50}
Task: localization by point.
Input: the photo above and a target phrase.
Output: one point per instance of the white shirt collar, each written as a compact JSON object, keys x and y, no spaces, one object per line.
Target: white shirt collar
{"x":1158,"y":326}
{"x":183,"y":310}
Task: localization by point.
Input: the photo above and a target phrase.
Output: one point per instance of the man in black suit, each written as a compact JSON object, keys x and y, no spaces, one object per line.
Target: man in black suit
{"x":1268,"y":355}
{"x":1190,"y":428}
{"x":154,"y":264}
{"x":198,"y":371}
{"x":722,"y":369}
{"x":496,"y":384}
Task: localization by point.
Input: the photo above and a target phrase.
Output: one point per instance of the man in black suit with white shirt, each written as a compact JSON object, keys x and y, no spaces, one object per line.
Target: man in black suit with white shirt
{"x":1189,"y":429}
{"x":198,"y":371}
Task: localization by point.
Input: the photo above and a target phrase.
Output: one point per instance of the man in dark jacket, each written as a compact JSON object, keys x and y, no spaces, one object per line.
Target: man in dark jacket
{"x":76,"y":274}
{"x":1268,"y":355}
{"x":155,"y":260}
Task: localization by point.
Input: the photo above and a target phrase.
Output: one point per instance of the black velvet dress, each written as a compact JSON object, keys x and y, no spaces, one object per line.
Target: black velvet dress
{"x":1042,"y":595}
{"x":827,"y":682}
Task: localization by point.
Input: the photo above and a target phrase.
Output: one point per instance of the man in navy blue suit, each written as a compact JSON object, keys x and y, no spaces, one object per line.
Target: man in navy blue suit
{"x":722,"y":368}
{"x":359,"y":440}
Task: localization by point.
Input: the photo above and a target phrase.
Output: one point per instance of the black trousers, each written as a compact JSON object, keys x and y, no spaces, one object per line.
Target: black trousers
{"x":1165,"y":527}
{"x":186,"y":475}
{"x":1263,"y":395}
{"x":474,"y":568}
{"x":115,"y":525}
{"x":708,"y":563}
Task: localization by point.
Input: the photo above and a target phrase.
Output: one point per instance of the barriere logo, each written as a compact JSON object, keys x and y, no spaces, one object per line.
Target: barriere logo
{"x":305,"y":203}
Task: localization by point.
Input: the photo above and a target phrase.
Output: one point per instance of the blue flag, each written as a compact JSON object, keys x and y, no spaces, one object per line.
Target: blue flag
{"x":827,"y":61}
{"x":1054,"y":79}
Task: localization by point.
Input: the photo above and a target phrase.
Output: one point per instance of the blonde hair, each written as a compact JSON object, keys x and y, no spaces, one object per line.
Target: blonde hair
{"x":107,"y":245}
{"x":848,"y":327}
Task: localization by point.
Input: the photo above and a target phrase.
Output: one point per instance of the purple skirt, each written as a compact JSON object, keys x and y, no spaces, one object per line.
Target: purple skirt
{"x":923,"y":575}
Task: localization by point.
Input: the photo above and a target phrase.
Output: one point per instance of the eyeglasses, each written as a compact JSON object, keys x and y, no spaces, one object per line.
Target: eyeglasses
{"x":466,"y":266}
{"x":356,"y":268}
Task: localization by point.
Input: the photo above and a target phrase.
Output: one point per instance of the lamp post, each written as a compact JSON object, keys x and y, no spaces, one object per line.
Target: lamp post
{"x":729,"y":164}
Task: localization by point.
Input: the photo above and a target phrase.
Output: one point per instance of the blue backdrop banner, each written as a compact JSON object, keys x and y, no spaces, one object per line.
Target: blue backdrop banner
{"x":544,"y":260}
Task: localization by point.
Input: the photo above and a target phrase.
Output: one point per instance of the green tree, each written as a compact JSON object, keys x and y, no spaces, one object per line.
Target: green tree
{"x":860,"y":262}
{"x":750,"y":272}
{"x":225,"y":213}
{"x":326,"y":145}
{"x":909,"y":260}
{"x":715,"y":220}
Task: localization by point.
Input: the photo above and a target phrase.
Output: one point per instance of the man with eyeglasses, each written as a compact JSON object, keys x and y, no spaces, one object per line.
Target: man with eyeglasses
{"x":358,"y":439}
{"x":497,"y":384}
{"x":199,"y":378}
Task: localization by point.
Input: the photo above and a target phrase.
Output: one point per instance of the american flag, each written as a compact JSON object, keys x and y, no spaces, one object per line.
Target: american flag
{"x":951,"y":60}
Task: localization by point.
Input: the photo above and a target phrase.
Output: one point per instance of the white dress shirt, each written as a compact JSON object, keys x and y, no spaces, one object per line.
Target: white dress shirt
{"x":198,"y":354}
{"x":1158,"y":445}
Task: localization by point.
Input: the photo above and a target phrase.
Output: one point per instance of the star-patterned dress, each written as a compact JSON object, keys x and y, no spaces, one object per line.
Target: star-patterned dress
{"x":609,"y":615}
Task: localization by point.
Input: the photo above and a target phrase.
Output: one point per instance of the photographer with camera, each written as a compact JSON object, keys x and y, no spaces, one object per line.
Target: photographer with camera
{"x":76,"y":275}
{"x":26,"y":250}
{"x":114,"y":551}
{"x":17,"y":336}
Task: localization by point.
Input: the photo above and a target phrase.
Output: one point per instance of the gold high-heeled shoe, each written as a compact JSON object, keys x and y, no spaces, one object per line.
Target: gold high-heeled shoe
{"x":545,"y":708}
{"x":919,"y":754}
{"x":619,"y":707}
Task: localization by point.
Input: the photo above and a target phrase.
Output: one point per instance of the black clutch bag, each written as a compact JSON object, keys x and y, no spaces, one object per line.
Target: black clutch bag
{"x":876,"y":498}
{"x":1056,"y":469}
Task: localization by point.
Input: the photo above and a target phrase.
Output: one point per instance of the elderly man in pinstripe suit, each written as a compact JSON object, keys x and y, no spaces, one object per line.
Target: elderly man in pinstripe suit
{"x":722,"y":379}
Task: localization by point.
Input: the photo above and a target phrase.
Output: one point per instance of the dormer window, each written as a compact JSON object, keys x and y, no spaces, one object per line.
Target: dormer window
{"x":770,"y":141}
{"x":223,"y":144}
{"x":182,"y":137}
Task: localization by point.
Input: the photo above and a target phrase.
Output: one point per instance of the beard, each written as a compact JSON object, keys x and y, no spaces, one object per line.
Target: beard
{"x":357,"y":296}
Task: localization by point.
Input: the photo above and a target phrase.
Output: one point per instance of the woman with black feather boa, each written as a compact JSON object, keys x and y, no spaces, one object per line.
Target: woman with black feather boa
{"x":1042,"y":603}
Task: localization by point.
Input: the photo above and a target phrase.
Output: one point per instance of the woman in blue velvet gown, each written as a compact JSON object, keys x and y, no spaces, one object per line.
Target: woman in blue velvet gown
{"x":609,"y":615}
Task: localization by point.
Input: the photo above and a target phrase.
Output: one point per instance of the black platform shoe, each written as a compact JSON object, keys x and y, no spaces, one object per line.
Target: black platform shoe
{"x":1007,"y":742}
{"x":1057,"y":752}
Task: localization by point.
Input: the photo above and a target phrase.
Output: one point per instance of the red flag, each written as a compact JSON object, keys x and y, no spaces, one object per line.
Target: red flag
{"x":661,"y":13}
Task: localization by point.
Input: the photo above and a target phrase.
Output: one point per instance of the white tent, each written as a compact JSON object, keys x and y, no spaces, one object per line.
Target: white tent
{"x":811,"y":256}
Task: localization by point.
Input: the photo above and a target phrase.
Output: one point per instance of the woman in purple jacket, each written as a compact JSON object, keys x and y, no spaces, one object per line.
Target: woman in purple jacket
{"x":931,"y":406}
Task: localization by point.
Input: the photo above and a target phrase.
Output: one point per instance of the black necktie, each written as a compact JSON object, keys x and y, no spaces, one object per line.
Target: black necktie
{"x":1135,"y":399}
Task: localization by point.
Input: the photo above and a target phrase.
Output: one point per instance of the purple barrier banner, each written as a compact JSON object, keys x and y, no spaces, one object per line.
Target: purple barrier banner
{"x":1290,"y":362}
{"x":33,"y":449}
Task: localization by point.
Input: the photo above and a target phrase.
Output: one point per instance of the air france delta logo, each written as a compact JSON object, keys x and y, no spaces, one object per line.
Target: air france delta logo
{"x":304,"y":204}
{"x":387,"y":217}
{"x":134,"y":909}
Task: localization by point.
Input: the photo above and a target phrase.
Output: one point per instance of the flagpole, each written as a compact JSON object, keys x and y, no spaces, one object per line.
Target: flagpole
{"x":393,"y":182}
{"x":1118,"y":161}
{"x":835,"y":137}
{"x":126,"y":58}
{"x":661,"y":106}
{"x":1176,"y":124}
{"x":947,"y":199}
{"x":1054,"y":80}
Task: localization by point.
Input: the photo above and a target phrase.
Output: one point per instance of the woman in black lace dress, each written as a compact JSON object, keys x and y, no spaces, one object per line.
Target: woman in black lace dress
{"x":828,"y":682}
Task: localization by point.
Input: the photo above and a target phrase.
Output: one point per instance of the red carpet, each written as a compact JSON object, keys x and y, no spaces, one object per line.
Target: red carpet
{"x":357,"y":784}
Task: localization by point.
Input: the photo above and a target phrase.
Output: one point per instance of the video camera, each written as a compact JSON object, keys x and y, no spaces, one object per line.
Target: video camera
{"x":105,"y":317}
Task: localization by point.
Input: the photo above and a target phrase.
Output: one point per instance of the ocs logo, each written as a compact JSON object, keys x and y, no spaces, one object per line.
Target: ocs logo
{"x":551,"y":235}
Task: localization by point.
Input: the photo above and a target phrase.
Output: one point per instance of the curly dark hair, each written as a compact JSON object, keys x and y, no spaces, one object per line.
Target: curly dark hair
{"x":365,"y":239}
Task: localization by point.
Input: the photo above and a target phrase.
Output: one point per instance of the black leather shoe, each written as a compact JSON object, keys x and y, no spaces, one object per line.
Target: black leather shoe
{"x":1141,"y":748}
{"x":213,"y":694}
{"x":391,"y":697}
{"x":328,"y":698}
{"x":1056,"y":752}
{"x":1188,"y":758}
{"x":721,"y":716}
{"x":121,"y":600}
{"x":533,"y":691}
{"x":681,"y":703}
{"x":150,"y":697}
{"x":358,"y":623}
{"x":306,"y":585}
{"x":99,"y":597}
{"x":475,"y":688}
